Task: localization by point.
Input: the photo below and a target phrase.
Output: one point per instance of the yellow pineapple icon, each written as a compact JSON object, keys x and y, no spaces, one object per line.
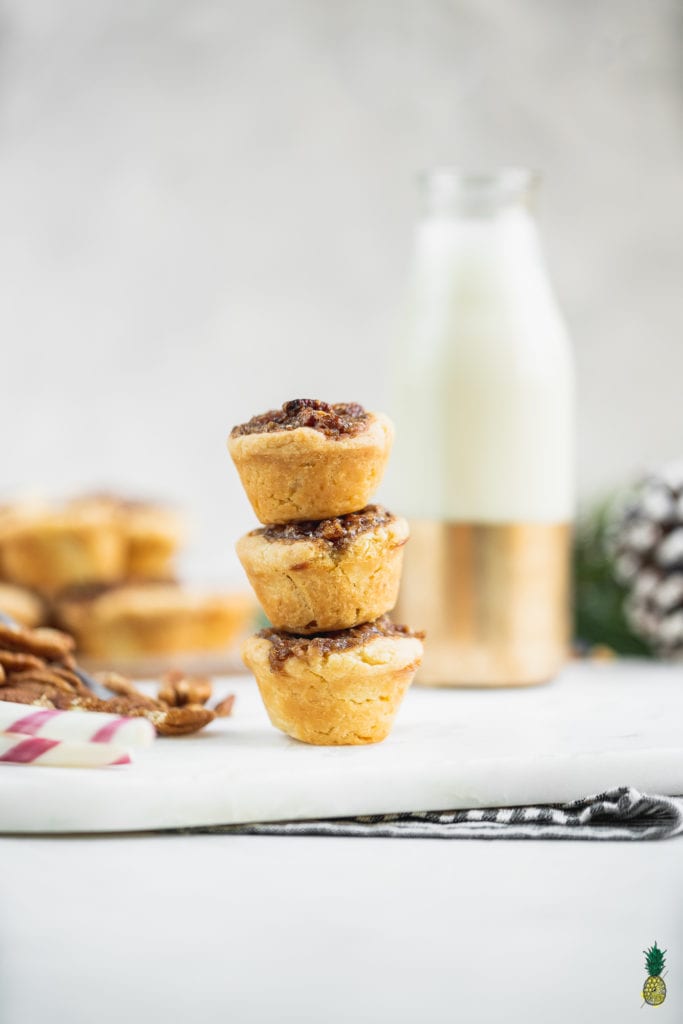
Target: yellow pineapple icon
{"x":654,"y":989}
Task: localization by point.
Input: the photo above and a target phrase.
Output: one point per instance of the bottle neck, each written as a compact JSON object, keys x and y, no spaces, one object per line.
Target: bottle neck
{"x":479,"y":228}
{"x":448,"y":193}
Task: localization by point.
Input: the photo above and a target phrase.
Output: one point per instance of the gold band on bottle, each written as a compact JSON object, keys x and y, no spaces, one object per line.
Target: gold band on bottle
{"x":493,"y":598}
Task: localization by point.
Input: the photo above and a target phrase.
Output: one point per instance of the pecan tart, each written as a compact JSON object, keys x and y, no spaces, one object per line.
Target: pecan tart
{"x":335,"y":688}
{"x":137,"y":619}
{"x":151,"y":532}
{"x":326,"y":575}
{"x":311,"y":460}
{"x":49,"y":547}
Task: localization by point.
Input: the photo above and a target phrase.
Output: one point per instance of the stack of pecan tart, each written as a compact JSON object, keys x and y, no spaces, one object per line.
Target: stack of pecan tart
{"x":326,"y":567}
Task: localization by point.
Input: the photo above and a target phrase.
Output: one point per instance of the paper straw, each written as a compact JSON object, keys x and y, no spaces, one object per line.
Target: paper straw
{"x":39,"y":750}
{"x":90,"y":726}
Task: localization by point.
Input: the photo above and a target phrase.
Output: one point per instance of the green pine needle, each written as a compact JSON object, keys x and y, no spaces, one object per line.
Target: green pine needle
{"x":598,"y":598}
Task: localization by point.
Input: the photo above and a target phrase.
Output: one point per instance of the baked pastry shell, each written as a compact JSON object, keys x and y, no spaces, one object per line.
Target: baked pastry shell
{"x":347,"y":697}
{"x":295,"y":475}
{"x":310,"y":585}
{"x":154,"y":536}
{"x":152,"y":533}
{"x":155,"y":619}
{"x":46,"y":552}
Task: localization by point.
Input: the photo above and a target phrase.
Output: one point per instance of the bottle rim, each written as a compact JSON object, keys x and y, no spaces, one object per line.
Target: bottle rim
{"x":448,"y":187}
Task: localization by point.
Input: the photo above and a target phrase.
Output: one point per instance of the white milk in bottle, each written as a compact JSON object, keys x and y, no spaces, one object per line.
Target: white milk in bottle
{"x":483,"y":404}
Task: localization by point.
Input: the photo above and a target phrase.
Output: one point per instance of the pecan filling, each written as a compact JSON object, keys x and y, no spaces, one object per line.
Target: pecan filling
{"x":338,"y":532}
{"x":341,"y":420}
{"x":286,"y":645}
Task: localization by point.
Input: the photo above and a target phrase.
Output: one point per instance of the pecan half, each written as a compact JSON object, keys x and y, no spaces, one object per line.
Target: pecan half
{"x":31,"y":693}
{"x":45,"y":676}
{"x":17,"y":661}
{"x":131,"y":704}
{"x":50,"y":644}
{"x":224,"y":707}
{"x":181,"y":721}
{"x":114,"y":681}
{"x":178,"y":690}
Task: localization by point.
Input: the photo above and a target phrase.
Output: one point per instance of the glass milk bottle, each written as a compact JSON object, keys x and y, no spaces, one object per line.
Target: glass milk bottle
{"x":483,"y":405}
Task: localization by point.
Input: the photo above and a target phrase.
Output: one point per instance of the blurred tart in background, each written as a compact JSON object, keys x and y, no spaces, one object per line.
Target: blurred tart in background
{"x":46,"y":548}
{"x":134,"y":619}
{"x":151,"y":533}
{"x":101,"y":566}
{"x":96,"y":537}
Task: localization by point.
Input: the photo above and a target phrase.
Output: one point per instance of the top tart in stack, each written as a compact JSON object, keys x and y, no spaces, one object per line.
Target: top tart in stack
{"x":311,"y":460}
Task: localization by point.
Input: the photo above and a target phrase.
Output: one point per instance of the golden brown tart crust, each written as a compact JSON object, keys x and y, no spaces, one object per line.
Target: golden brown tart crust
{"x":49,"y":548}
{"x":294,"y":472}
{"x":151,"y":532}
{"x":93,"y":537}
{"x":342,"y":690}
{"x":137,"y":619}
{"x":329,"y":575}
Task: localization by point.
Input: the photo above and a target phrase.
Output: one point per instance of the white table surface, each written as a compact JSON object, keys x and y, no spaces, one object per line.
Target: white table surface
{"x":218,"y":928}
{"x":230,"y":929}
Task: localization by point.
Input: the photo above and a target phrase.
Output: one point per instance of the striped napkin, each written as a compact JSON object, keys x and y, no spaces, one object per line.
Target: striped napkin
{"x":622,"y":813}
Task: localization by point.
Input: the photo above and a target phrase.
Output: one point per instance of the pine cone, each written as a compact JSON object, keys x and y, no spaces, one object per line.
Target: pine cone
{"x":647,"y":543}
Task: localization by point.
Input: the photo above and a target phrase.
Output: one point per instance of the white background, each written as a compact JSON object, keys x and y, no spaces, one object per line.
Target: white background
{"x":206,"y":208}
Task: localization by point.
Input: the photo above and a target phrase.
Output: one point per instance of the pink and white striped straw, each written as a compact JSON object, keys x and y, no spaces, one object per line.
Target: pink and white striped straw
{"x":90,"y":726}
{"x":39,"y":750}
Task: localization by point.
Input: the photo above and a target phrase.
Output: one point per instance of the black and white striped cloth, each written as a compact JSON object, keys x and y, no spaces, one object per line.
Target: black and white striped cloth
{"x":622,"y":813}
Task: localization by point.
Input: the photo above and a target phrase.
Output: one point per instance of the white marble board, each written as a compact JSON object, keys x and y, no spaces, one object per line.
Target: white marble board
{"x":597,"y":726}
